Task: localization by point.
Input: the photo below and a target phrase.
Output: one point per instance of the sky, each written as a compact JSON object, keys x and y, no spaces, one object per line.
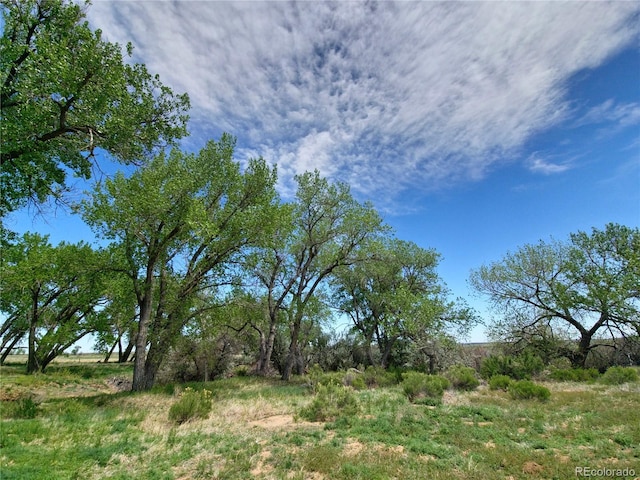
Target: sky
{"x":474,"y":128}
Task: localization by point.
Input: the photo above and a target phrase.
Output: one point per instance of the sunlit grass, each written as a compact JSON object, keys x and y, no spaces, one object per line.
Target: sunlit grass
{"x":252,"y":432}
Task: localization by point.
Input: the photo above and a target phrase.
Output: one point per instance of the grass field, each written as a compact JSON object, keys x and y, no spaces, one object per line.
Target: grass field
{"x":73,"y":423}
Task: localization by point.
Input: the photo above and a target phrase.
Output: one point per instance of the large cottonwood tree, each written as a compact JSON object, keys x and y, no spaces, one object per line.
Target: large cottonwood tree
{"x":588,"y":286}
{"x":327,"y":227}
{"x":179,"y":220}
{"x":396,"y":294}
{"x":65,"y":92}
{"x":52,"y":295}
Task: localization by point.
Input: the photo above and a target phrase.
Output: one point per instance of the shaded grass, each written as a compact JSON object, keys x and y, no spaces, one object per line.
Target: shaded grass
{"x":480,"y":434}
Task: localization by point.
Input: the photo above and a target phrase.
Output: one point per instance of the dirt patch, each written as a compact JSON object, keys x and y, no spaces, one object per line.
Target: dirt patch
{"x":281,"y":422}
{"x":353,"y":448}
{"x":532,"y":468}
{"x":119,"y":384}
{"x":274,"y":422}
{"x":261,"y":468}
{"x":479,"y":424}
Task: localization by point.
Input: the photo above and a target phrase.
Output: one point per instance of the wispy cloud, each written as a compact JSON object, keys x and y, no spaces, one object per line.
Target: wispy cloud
{"x":545,"y":166}
{"x":609,"y":111}
{"x":386,"y":96}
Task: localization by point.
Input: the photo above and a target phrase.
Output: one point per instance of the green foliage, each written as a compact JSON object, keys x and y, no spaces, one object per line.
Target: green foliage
{"x":379,"y":377}
{"x":23,"y":408}
{"x":65,"y":92}
{"x":500,"y":382}
{"x":51,"y":295}
{"x":587,"y":285}
{"x":330,"y":403}
{"x":619,"y":375}
{"x":192,"y":404}
{"x":526,"y":389}
{"x":203,"y":207}
{"x":423,"y":388}
{"x":521,"y":367}
{"x":354,"y":380}
{"x":462,"y":378}
{"x":574,"y":374}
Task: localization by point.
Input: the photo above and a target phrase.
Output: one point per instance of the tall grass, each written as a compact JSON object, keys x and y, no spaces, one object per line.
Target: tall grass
{"x":252,"y":432}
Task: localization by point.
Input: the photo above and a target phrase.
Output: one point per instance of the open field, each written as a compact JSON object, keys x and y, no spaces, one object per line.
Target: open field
{"x":83,"y":427}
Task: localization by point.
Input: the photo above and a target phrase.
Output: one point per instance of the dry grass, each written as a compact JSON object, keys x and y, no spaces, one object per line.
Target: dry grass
{"x":252,"y":432}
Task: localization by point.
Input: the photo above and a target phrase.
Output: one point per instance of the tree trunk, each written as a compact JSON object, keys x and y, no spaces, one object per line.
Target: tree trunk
{"x":32,"y":361}
{"x":579,"y":358}
{"x":110,"y":352}
{"x":123,"y":356}
{"x":264,"y":365}
{"x":386,"y":352}
{"x":139,"y":370}
{"x":8,"y":349}
{"x":293,"y":349}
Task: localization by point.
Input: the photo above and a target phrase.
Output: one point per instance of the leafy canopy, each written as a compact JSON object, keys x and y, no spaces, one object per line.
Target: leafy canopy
{"x":65,"y":92}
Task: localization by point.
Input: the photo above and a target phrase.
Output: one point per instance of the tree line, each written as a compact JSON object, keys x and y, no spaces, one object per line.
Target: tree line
{"x":195,"y":242}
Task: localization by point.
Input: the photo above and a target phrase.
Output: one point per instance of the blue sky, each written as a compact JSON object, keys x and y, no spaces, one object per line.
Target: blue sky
{"x":474,"y":128}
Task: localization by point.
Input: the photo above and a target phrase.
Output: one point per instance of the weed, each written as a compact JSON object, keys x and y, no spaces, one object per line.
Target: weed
{"x":574,"y":374}
{"x":500,"y":382}
{"x":526,"y":389}
{"x":23,"y":408}
{"x":192,"y":404}
{"x":521,"y":367}
{"x":423,"y":388}
{"x":379,"y":377}
{"x":462,"y":378}
{"x":619,"y":375}
{"x":331,"y":402}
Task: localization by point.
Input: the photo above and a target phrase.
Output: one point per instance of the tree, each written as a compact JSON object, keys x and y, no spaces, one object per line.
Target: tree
{"x":589,"y":285}
{"x":51,"y":295}
{"x":395,"y":294}
{"x":180,"y":220}
{"x":121,"y":311}
{"x":329,"y":227}
{"x":317,"y":233}
{"x":65,"y":92}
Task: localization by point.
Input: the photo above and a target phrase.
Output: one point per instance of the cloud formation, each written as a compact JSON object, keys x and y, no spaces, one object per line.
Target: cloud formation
{"x":386,"y":96}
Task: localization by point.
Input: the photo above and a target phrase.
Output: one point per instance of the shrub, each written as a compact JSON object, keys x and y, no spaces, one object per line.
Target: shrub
{"x":500,"y":382}
{"x":521,"y":367}
{"x":423,"y":388}
{"x":574,"y":374}
{"x":462,"y":378}
{"x":379,"y":377}
{"x":619,"y":375}
{"x":191,"y":404}
{"x":331,"y":402}
{"x":526,"y":389}
{"x":354,"y":380}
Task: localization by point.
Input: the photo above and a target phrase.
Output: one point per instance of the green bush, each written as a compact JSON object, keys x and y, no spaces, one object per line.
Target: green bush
{"x":318,"y":377}
{"x":619,"y":375}
{"x":500,"y":382}
{"x":191,"y":404}
{"x":521,"y":367}
{"x":379,"y":377}
{"x":574,"y":374}
{"x":462,"y":378}
{"x":331,"y":402}
{"x":354,"y":381}
{"x":526,"y":389}
{"x":423,"y":388}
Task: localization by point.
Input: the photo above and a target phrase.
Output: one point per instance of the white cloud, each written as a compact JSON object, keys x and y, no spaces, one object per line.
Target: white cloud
{"x":609,"y":111}
{"x":544,"y":166}
{"x":384,"y":95}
